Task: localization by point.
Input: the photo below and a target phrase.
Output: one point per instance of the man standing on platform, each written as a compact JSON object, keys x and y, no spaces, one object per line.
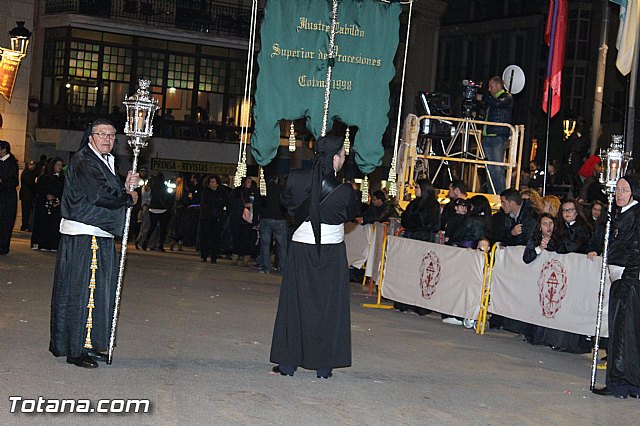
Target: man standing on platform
{"x":8,"y":195}
{"x":495,"y":138}
{"x":313,"y":325}
{"x":93,"y":213}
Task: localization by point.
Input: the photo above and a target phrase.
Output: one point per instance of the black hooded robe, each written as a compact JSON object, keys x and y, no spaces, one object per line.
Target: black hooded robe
{"x":623,"y":353}
{"x":312,"y":327}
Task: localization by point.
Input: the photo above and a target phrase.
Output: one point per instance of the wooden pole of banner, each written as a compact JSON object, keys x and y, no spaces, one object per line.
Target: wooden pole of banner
{"x":486,"y":289}
{"x":378,"y":304}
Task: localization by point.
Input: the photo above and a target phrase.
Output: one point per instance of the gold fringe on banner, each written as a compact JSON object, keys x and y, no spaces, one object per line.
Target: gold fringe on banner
{"x":292,"y":138}
{"x":92,"y":287}
{"x":347,"y":142}
{"x":263,"y":183}
{"x":237,"y":179}
{"x":365,"y":189}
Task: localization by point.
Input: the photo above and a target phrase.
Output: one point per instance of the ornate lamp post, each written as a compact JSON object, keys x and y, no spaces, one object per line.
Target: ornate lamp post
{"x":139,"y":128}
{"x":11,"y":58}
{"x":614,"y":166}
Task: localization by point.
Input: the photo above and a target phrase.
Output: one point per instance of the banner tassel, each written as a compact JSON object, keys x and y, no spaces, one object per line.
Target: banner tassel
{"x":365,"y":190}
{"x":263,"y":183}
{"x":292,"y":138}
{"x":347,"y":142}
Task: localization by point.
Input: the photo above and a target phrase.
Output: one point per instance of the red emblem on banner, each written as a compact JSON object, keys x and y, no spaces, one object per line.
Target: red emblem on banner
{"x":429,"y":274}
{"x":552,"y":286}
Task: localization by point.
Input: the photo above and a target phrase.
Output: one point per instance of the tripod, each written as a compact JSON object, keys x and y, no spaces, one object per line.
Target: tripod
{"x":464,"y":129}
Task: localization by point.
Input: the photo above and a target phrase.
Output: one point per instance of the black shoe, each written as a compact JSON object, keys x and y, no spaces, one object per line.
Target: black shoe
{"x":213,"y":260}
{"x":84,"y":361}
{"x":605,"y":391}
{"x":276,"y":369}
{"x":137,"y":245}
{"x":98,"y":356}
{"x":323,"y":373}
{"x":634,"y":395}
{"x":204,"y":259}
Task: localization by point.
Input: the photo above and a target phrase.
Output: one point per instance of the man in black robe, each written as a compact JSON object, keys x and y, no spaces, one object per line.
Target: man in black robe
{"x":8,"y":195}
{"x":84,"y":285}
{"x":623,"y":352}
{"x":312,"y":328}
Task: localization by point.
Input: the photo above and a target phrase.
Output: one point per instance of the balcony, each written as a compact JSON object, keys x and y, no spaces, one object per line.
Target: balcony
{"x":205,"y":16}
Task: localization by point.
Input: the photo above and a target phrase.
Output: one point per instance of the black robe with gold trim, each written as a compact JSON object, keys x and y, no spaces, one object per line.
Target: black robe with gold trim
{"x":95,"y":196}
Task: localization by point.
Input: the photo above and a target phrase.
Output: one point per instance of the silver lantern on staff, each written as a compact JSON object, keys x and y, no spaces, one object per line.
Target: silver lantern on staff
{"x":614,"y":166}
{"x":139,"y":128}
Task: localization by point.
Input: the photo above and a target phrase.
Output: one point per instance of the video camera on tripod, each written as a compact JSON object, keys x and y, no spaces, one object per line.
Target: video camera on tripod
{"x":469,"y":91}
{"x":434,"y":103}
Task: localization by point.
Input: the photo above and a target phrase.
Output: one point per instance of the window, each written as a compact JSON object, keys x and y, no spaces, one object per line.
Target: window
{"x":83,"y":60}
{"x":116,"y":64}
{"x":212,"y":75}
{"x":151,"y":67}
{"x":181,"y":72}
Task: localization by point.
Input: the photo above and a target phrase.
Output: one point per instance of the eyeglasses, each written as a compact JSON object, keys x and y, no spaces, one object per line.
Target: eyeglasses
{"x":568,"y":210}
{"x":623,"y":191}
{"x":103,"y":136}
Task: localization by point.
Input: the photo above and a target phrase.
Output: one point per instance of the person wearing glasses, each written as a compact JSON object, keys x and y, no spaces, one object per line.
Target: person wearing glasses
{"x":93,"y":214}
{"x":623,"y":352}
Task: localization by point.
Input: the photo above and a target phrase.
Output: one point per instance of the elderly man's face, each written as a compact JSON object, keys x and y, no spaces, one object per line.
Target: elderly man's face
{"x":102,"y":138}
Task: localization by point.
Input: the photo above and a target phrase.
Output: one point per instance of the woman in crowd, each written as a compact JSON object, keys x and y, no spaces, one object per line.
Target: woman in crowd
{"x":421,"y":219}
{"x":551,"y":204}
{"x":623,"y":352}
{"x":573,"y":232}
{"x":243,"y":218}
{"x":46,"y":227}
{"x":541,"y":240}
{"x":213,"y":210}
{"x":179,"y":216}
{"x":158,"y":211}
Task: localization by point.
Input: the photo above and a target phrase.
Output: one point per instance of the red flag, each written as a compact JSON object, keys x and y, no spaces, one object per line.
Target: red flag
{"x":555,"y":36}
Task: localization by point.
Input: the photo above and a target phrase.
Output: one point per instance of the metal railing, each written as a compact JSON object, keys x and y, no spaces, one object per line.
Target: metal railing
{"x":205,"y":16}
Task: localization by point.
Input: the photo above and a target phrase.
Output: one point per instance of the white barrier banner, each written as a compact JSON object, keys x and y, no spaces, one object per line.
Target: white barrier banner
{"x":357,"y":239}
{"x":433,"y":276}
{"x":372,"y":268}
{"x":558,"y":291}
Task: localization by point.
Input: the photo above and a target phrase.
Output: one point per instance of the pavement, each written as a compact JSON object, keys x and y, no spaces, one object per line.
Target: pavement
{"x":194,"y":339}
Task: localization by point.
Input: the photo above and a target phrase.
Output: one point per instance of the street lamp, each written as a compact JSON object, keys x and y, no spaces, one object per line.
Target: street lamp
{"x":569,"y":126}
{"x":20,"y":38}
{"x":10,"y":59}
{"x":614,"y":166}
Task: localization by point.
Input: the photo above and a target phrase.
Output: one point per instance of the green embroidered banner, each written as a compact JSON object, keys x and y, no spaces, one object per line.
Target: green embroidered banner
{"x":293,"y":65}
